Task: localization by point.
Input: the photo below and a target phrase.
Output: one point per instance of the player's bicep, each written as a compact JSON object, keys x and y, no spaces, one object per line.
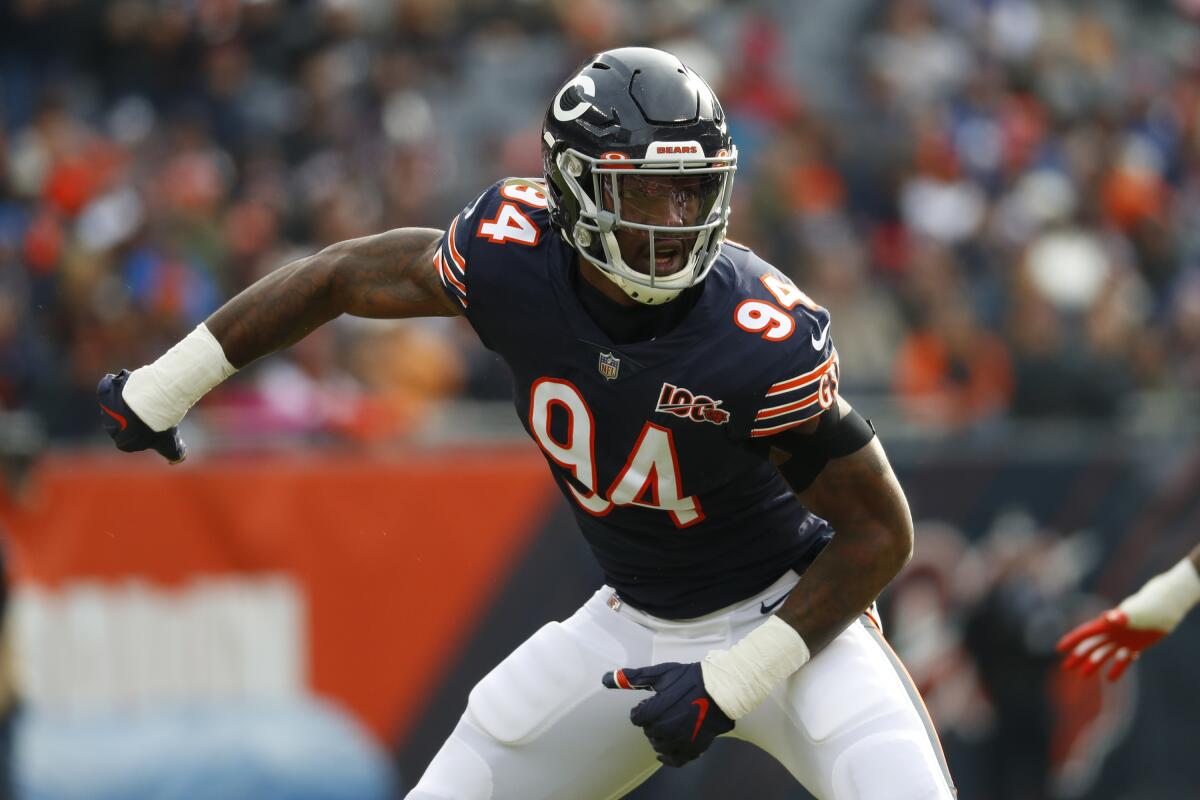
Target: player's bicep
{"x":860,"y":491}
{"x":391,"y":275}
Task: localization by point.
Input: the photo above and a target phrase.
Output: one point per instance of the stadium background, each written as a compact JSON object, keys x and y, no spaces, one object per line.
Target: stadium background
{"x":998,"y":200}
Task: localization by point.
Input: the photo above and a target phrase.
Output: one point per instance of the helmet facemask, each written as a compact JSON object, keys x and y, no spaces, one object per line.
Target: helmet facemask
{"x":674,"y":208}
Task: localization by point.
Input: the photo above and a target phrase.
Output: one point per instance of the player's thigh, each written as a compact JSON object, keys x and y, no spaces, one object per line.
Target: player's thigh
{"x":541,"y":725}
{"x":849,"y":725}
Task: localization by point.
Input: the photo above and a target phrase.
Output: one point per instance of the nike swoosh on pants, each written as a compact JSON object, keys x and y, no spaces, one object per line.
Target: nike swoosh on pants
{"x":767,"y":609}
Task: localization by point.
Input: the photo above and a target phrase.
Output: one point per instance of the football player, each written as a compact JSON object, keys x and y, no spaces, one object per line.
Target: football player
{"x":1119,"y":635}
{"x":685,"y":395}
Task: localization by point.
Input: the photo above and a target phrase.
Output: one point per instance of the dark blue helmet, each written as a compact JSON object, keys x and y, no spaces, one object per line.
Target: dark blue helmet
{"x":636,"y":124}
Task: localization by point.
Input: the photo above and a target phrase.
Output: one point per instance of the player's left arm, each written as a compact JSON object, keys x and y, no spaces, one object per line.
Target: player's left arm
{"x":858,"y":494}
{"x":837,"y":467}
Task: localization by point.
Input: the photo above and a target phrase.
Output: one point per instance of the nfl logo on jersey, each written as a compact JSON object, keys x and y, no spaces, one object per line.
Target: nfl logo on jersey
{"x":609,"y":364}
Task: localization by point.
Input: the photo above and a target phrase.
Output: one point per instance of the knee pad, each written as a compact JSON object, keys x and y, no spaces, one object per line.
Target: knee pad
{"x":888,"y":766}
{"x":538,"y":684}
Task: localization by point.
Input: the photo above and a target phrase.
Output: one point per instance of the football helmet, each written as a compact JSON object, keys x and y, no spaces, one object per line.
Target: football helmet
{"x":639,"y":170}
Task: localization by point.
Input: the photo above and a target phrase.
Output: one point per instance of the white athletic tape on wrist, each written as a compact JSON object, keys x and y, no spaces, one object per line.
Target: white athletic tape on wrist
{"x":740,"y":678}
{"x":1165,"y":599}
{"x":162,"y":392}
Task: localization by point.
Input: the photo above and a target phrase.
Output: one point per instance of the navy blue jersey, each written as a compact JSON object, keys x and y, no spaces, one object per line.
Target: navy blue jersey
{"x":657,"y":445}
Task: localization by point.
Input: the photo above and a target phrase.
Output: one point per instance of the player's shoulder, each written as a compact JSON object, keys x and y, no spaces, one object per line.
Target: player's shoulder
{"x":765,"y":300}
{"x":512,"y":211}
{"x":499,"y":238}
{"x":786,"y":363}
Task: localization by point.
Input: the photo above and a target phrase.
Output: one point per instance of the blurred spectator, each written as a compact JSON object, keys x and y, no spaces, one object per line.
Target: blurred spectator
{"x":1010,"y":634}
{"x":939,"y":201}
{"x":1015,"y":678}
{"x":1185,"y":329}
{"x":997,"y":203}
{"x":915,"y":59}
{"x":953,"y":374}
{"x":868,"y":320}
{"x":408,"y":368}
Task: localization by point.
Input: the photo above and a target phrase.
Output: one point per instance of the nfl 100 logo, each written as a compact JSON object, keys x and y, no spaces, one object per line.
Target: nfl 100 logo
{"x":609,"y":365}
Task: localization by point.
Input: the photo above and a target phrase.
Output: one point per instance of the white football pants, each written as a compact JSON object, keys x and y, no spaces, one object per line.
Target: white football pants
{"x":849,"y":725}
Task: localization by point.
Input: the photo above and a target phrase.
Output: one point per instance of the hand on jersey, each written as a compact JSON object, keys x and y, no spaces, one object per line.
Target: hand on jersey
{"x":681,"y":720}
{"x":127,"y":429}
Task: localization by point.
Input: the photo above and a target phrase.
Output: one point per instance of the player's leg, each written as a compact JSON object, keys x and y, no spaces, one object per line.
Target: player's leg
{"x":541,"y":725}
{"x":850,"y":725}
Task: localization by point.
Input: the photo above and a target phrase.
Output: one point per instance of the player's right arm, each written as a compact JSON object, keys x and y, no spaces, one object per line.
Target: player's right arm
{"x":1142,"y":619}
{"x":389,"y":275}
{"x":386,"y":276}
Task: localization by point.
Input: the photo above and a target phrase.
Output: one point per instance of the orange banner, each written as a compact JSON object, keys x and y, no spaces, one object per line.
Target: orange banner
{"x":396,"y":558}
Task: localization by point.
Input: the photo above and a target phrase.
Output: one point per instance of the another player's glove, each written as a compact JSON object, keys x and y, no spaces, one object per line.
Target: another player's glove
{"x":1107,"y":636}
{"x":1141,"y":620}
{"x":681,"y":720}
{"x":127,"y":429}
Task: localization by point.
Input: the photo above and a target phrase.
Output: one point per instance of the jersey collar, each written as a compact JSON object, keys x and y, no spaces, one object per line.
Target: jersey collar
{"x":688,"y":331}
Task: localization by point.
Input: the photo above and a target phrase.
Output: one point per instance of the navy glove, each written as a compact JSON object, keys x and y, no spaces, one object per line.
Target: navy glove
{"x":127,"y":430}
{"x":681,"y":719}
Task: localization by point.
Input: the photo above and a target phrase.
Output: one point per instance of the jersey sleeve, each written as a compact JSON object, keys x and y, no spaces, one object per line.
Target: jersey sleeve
{"x":803,"y":383}
{"x":451,"y":257}
{"x":487,"y":257}
{"x":796,"y":400}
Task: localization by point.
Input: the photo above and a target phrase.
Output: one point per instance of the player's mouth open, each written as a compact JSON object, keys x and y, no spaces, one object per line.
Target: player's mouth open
{"x":669,"y":257}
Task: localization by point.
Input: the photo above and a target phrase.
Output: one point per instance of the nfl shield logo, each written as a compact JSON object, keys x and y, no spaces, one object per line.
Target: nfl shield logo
{"x":609,"y":364}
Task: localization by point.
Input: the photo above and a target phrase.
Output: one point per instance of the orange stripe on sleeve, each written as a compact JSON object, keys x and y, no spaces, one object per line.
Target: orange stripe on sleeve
{"x":800,"y":380}
{"x":448,"y":274}
{"x":757,"y":432}
{"x":454,"y":254}
{"x":787,"y":408}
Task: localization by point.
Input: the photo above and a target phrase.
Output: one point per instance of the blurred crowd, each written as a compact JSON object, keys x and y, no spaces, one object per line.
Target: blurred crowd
{"x":999,"y":200}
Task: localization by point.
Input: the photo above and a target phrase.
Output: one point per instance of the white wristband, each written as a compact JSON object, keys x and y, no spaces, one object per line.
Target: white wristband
{"x":162,"y":392}
{"x":1165,"y":599}
{"x":740,"y":678}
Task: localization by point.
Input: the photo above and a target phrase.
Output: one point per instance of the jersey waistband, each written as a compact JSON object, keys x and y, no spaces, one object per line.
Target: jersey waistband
{"x":756,"y":607}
